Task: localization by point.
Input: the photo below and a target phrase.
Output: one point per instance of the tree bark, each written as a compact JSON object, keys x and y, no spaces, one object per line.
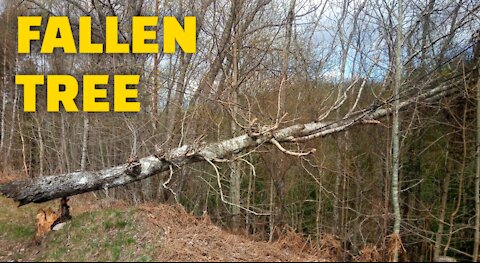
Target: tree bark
{"x":44,"y":189}
{"x":64,"y":139}
{"x":285,"y":60}
{"x":12,"y":126}
{"x":83,"y":159}
{"x":41,"y":148}
{"x":4,"y":88}
{"x":396,"y":132}
{"x":155,"y":77}
{"x":5,"y":85}
{"x":443,"y":208}
{"x":4,"y":107}
{"x":476,"y":242}
{"x":236,"y":173}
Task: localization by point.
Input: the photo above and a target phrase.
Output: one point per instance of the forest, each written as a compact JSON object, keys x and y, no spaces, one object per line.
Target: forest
{"x":352,"y":121}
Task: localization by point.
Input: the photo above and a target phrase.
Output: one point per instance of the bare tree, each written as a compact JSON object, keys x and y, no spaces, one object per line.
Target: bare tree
{"x":231,"y":130}
{"x":396,"y":130}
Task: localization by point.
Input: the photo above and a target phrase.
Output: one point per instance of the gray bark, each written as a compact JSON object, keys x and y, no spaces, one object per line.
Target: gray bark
{"x":236,"y":174}
{"x":83,"y":159}
{"x":396,"y":131}
{"x":65,"y":153}
{"x":285,"y":59}
{"x":5,"y":85}
{"x":476,"y":242}
{"x":4,"y":107}
{"x":443,"y":208}
{"x":155,"y":77}
{"x":47,"y":188}
{"x":41,"y":148}
{"x":12,"y":126}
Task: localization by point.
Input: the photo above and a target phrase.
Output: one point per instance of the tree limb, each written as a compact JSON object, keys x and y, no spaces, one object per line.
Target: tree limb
{"x":47,"y":188}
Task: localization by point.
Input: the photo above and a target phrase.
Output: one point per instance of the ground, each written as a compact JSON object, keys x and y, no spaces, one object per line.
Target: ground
{"x":112,"y":231}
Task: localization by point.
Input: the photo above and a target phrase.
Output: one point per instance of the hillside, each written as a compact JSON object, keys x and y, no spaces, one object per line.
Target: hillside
{"x":112,"y":231}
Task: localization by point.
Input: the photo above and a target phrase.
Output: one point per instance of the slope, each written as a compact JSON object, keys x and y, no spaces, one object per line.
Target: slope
{"x":112,"y":231}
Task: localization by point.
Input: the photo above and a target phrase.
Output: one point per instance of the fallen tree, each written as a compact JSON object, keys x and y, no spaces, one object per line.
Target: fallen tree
{"x":47,"y":188}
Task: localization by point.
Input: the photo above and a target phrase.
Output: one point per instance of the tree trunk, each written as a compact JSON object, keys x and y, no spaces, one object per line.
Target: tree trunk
{"x":83,"y":162}
{"x":458,"y":201}
{"x":4,"y":88}
{"x":22,"y":138}
{"x":208,"y":79}
{"x":12,"y":126}
{"x":396,"y":132}
{"x":235,"y":194}
{"x":236,"y":174}
{"x":41,"y":148}
{"x":285,"y":60}
{"x":248,"y":222}
{"x":48,"y":188}
{"x":441,"y":219}
{"x":14,"y":114}
{"x":318,"y":215}
{"x":476,"y":242}
{"x":4,"y":107}
{"x":271,"y":218}
{"x":155,"y":77}
{"x":336,"y":198}
{"x":64,"y":143}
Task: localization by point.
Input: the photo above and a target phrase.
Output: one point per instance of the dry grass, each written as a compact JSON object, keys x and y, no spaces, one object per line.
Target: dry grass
{"x":369,"y":253}
{"x":394,"y":244}
{"x":108,"y":230}
{"x":330,"y":248}
{"x":187,"y":238}
{"x":9,"y":177}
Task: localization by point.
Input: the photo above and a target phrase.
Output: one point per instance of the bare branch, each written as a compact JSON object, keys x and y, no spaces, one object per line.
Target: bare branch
{"x":44,"y":189}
